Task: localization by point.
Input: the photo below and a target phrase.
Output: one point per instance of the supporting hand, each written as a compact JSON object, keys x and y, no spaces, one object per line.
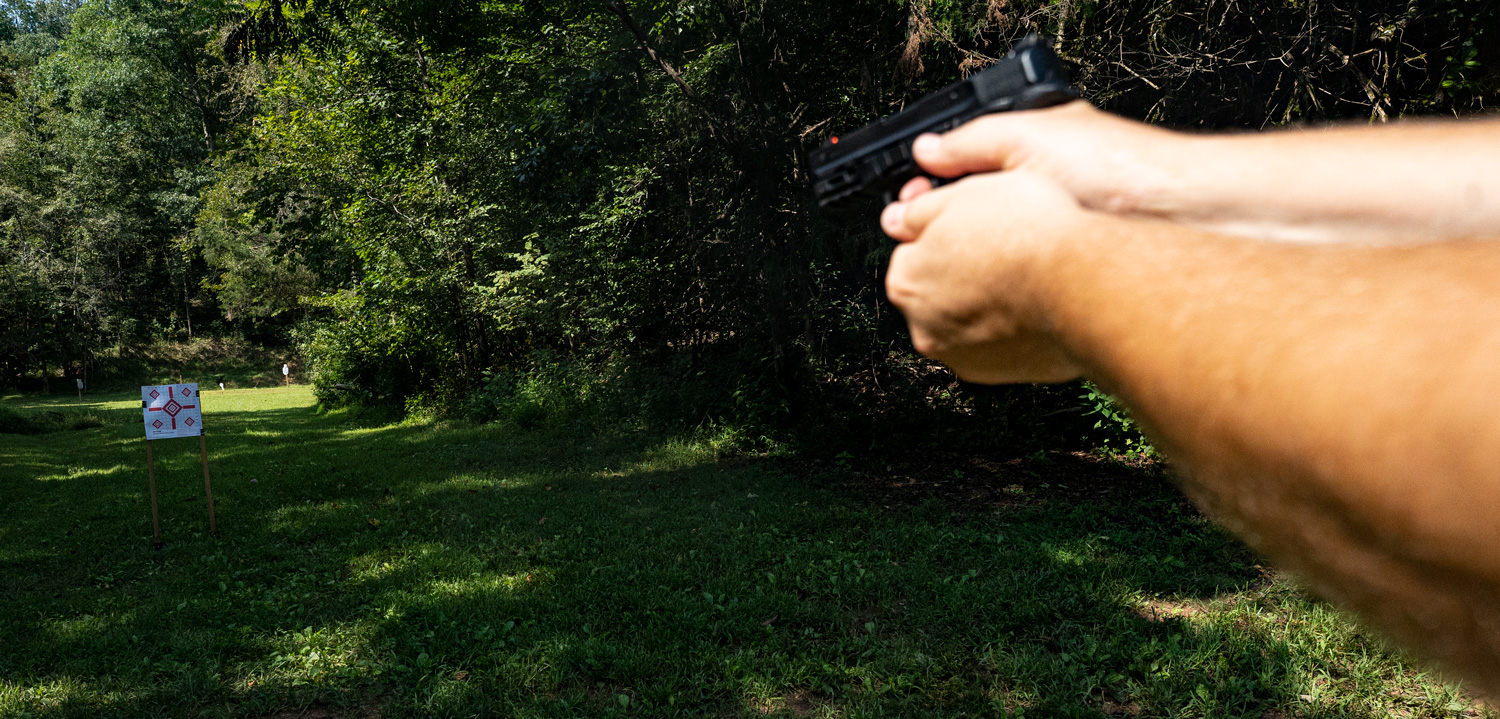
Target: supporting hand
{"x":972,"y":258}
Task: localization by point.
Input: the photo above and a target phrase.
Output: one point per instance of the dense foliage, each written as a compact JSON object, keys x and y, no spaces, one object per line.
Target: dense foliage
{"x":107,"y":125}
{"x":434,"y":195}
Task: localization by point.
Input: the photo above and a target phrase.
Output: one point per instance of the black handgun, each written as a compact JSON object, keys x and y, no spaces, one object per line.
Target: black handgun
{"x":875,"y":160}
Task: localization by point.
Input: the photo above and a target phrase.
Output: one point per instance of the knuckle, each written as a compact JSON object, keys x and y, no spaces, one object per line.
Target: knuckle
{"x":923,"y":207}
{"x":1081,"y":107}
{"x":925,"y":343}
{"x":899,"y":290}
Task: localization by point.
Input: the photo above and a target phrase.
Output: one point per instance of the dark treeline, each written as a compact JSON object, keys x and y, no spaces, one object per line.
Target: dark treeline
{"x":456,"y":204}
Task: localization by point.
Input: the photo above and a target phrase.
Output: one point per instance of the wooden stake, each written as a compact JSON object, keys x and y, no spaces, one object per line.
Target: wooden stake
{"x":151,"y":474}
{"x":208,"y":487}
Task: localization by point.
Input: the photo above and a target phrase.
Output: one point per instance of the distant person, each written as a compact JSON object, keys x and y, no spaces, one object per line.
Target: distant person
{"x":1328,"y":396}
{"x":79,"y":380}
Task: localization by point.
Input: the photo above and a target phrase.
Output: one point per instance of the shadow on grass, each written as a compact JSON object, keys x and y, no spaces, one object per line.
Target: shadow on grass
{"x":440,"y":570}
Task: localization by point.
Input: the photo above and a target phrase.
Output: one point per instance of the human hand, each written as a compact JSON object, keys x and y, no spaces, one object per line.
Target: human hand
{"x":972,"y":268}
{"x":1106,"y":162}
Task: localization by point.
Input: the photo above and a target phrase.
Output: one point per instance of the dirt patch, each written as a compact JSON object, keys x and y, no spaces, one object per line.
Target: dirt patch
{"x":1161,"y":610}
{"x":800,"y":703}
{"x":795,"y":703}
{"x":1116,"y":709}
{"x":603,"y":694}
{"x":308,"y":713}
{"x":361,"y":711}
{"x":975,"y":482}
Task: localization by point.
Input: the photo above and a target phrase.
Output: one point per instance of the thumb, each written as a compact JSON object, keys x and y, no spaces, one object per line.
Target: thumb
{"x":986,"y":144}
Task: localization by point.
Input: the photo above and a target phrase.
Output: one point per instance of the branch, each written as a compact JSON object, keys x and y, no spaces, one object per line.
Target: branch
{"x":713,"y":126}
{"x":624,"y":13}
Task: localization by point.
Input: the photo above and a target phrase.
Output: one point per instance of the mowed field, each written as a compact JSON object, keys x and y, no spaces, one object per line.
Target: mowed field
{"x":373,"y":569}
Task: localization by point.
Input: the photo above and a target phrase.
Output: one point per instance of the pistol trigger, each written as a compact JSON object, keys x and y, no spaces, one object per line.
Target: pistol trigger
{"x":889,"y":197}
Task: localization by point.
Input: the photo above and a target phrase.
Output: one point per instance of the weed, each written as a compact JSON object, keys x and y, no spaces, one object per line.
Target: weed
{"x":1121,"y":432}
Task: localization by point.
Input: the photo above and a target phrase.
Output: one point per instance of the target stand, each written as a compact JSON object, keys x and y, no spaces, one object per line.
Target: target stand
{"x":171,"y":411}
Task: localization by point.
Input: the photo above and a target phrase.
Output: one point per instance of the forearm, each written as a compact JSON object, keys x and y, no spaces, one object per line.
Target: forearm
{"x":1330,"y":404}
{"x":1420,"y":180}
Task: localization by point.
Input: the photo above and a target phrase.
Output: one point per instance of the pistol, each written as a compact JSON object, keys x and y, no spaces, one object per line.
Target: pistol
{"x":875,"y":160}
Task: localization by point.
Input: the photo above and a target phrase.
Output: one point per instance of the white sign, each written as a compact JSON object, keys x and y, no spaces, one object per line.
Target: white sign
{"x":172,"y":410}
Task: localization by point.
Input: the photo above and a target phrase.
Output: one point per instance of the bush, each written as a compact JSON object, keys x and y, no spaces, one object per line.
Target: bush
{"x":1121,"y":433}
{"x":555,"y":391}
{"x":363,"y":356}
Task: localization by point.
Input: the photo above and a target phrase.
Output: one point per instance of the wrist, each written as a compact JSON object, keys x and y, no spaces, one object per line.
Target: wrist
{"x":1050,"y":281}
{"x":1083,"y":292}
{"x":1182,"y":179}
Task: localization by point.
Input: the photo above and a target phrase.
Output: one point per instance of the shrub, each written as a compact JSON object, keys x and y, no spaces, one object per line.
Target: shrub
{"x":553,"y":391}
{"x":1121,"y":433}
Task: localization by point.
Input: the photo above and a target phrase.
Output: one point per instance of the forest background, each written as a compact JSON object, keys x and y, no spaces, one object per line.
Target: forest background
{"x":551,"y":210}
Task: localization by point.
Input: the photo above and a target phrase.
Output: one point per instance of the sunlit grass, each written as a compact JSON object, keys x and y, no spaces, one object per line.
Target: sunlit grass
{"x":440,"y":569}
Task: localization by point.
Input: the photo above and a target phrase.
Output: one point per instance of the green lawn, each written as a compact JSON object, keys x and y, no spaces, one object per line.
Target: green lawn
{"x":429,"y":569}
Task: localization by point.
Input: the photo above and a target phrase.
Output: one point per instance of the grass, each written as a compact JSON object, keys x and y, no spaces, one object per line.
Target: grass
{"x":14,"y":421}
{"x":371,"y":569}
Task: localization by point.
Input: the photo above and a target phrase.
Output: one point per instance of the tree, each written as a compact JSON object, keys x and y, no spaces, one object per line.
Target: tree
{"x":627,"y":183}
{"x":426,"y":193}
{"x":109,"y":132}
